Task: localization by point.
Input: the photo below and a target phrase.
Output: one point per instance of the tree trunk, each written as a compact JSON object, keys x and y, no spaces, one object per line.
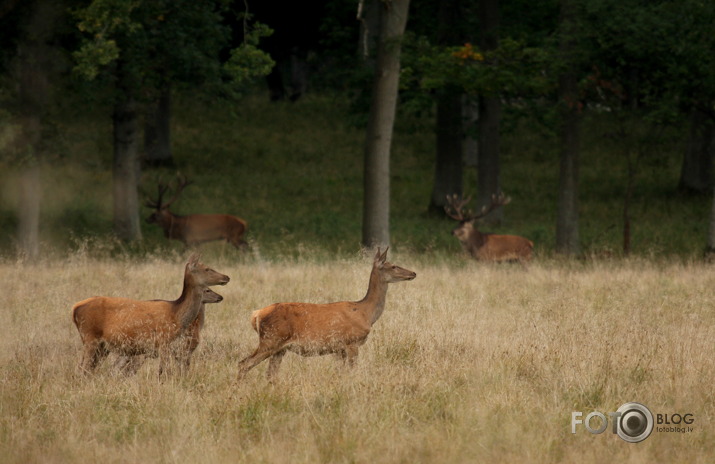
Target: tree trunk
{"x":696,"y":170}
{"x":29,"y":214}
{"x":33,"y":72}
{"x":369,"y":17}
{"x":376,"y":207}
{"x":126,"y":170}
{"x":711,"y":233}
{"x":488,"y":161}
{"x":567,"y":229}
{"x":488,"y":169}
{"x":157,"y":132}
{"x":448,"y":159}
{"x":448,"y":165}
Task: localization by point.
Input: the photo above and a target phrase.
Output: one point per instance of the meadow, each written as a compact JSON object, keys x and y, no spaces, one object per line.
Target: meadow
{"x":469,"y":363}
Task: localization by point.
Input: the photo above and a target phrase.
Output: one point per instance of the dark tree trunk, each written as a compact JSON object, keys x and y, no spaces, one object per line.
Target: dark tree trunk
{"x":488,"y":169}
{"x":567,"y":228}
{"x":711,"y":232}
{"x":376,"y":207}
{"x":157,"y":132}
{"x":126,"y":170}
{"x":448,"y":160}
{"x":696,"y":170}
{"x":448,"y":166}
{"x":488,"y":175}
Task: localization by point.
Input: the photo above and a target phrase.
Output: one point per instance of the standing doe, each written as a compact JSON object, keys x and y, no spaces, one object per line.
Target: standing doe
{"x":317,"y":329}
{"x":195,"y":229}
{"x":133,"y":327}
{"x":485,"y":246}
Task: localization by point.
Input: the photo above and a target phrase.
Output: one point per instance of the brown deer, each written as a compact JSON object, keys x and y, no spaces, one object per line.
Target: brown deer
{"x":182,"y":348}
{"x":485,"y":246}
{"x":195,"y":229}
{"x":317,"y":329}
{"x":133,"y":327}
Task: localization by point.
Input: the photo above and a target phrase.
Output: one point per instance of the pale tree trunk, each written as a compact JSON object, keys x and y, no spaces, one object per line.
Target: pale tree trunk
{"x":448,"y":159}
{"x":488,"y":169}
{"x":696,"y":170}
{"x":567,"y":228}
{"x":369,"y":17}
{"x":157,"y":131}
{"x":29,"y":214}
{"x":32,"y":70}
{"x":376,"y":206}
{"x":126,"y":170}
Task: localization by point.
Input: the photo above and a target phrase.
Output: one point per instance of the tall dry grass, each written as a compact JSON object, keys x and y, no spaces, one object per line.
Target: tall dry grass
{"x":469,"y":363}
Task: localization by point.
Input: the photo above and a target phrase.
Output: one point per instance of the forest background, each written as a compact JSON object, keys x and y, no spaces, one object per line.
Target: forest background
{"x":595,"y":117}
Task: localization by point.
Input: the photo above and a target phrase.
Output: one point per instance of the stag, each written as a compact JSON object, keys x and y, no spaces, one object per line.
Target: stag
{"x":194,"y":229}
{"x":133,"y":327}
{"x":317,"y":329}
{"x":486,"y":246}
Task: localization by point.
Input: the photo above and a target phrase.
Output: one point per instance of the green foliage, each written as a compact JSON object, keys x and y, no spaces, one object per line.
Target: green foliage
{"x":247,"y":61}
{"x":511,"y":70}
{"x":157,"y":42}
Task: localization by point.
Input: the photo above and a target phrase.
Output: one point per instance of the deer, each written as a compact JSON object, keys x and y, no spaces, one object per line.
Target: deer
{"x":194,"y":229}
{"x":310,"y":329}
{"x":182,"y":348}
{"x":485,"y":246}
{"x":131,"y":327}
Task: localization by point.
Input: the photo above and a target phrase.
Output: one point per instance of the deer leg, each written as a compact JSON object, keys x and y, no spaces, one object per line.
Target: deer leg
{"x":350,"y":356}
{"x":129,"y":365}
{"x":94,"y":351}
{"x":274,"y":364}
{"x":166,"y":362}
{"x":262,"y":353}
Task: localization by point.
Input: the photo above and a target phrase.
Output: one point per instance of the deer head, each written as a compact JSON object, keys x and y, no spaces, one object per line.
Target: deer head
{"x":389,"y":272}
{"x":455,"y":209}
{"x":161,"y":213}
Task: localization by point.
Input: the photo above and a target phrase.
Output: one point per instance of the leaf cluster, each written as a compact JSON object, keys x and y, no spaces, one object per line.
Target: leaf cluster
{"x":153,"y":43}
{"x":512,"y":69}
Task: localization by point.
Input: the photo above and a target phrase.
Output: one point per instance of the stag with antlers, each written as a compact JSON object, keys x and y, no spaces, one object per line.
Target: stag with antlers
{"x":194,"y":229}
{"x":486,"y":246}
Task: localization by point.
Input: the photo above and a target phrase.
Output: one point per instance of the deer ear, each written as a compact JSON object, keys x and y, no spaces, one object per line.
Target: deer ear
{"x":194,"y":259}
{"x":382,"y":257}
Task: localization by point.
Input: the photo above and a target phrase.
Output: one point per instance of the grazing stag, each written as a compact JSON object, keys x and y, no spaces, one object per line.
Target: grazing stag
{"x":195,"y":229}
{"x":317,"y":329}
{"x":484,"y":246}
{"x":133,"y":327}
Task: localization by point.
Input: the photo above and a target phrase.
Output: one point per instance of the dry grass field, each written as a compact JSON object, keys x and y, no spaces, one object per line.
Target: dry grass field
{"x":469,"y":363}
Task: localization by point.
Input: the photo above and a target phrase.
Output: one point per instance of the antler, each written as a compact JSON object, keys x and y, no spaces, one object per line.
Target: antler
{"x":497,"y":200}
{"x":157,"y":204}
{"x":182,"y":182}
{"x":454,"y":208}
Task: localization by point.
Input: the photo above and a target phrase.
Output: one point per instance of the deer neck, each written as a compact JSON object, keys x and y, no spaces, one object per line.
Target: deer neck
{"x":374,"y":301}
{"x":187,"y":307}
{"x":477,"y":239}
{"x":176,"y":225}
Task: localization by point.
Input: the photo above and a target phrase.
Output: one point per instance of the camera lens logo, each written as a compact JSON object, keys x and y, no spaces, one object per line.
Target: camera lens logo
{"x":634,"y":423}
